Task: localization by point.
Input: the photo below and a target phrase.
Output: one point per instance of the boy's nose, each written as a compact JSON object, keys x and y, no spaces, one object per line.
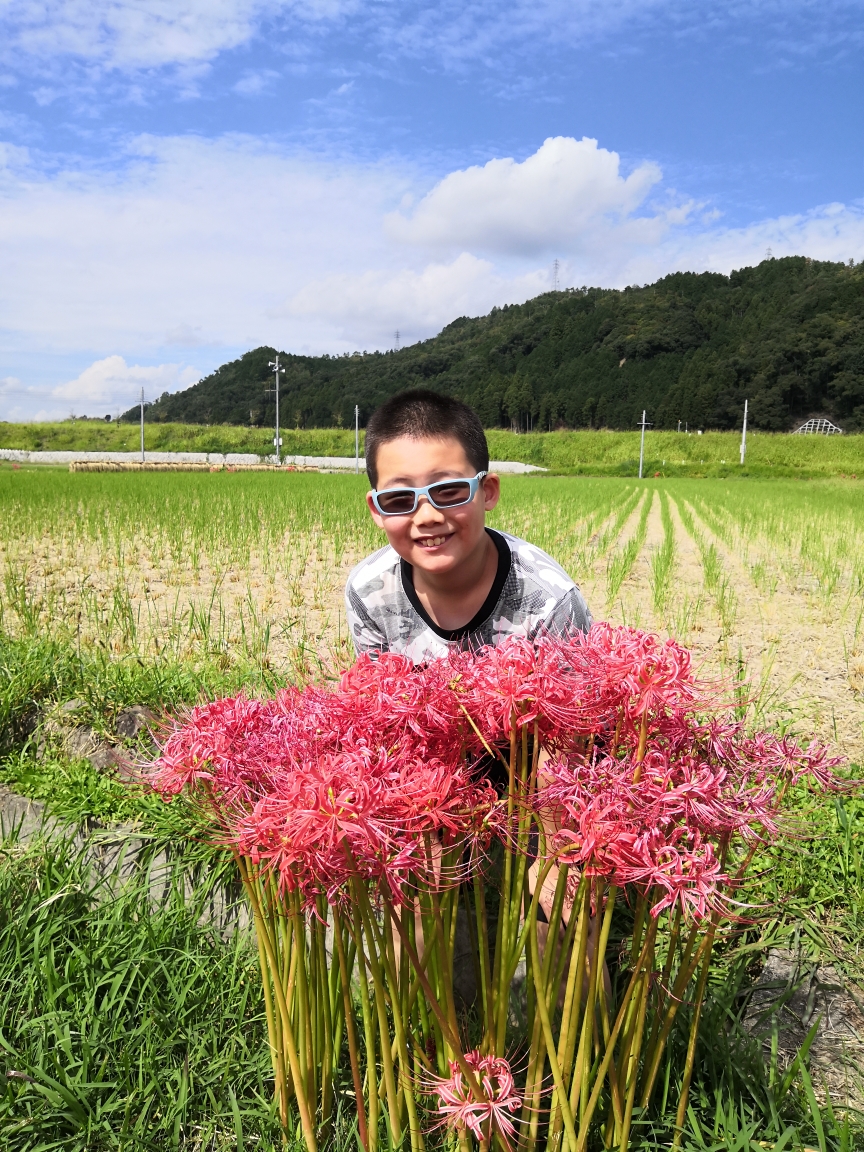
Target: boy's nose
{"x":427,"y":513}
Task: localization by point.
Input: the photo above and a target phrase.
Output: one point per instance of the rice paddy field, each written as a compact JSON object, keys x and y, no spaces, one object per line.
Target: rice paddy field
{"x":127,"y":1028}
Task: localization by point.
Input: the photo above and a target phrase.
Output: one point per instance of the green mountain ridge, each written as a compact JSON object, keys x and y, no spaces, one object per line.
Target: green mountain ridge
{"x":787,"y":335}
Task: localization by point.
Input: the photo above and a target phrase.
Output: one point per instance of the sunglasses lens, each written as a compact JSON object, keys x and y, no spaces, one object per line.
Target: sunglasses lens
{"x":397,"y":502}
{"x":451,"y":493}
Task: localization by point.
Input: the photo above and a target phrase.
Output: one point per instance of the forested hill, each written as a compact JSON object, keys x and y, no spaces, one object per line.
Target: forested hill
{"x":788,"y":335}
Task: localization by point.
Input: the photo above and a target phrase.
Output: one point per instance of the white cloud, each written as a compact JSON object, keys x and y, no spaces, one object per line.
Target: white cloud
{"x":144,"y":34}
{"x":192,"y":237}
{"x":227,"y":244}
{"x":545,"y":204}
{"x":417,"y":302}
{"x":112,"y":381}
{"x":254,"y":83}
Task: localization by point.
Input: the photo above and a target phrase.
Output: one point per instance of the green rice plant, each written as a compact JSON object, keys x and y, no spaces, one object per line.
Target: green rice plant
{"x":561,"y":517}
{"x":717,"y":583}
{"x":663,"y":559}
{"x":622,"y":559}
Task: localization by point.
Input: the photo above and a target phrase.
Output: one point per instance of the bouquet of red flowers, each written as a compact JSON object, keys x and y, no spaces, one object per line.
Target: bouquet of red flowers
{"x":524,"y":792}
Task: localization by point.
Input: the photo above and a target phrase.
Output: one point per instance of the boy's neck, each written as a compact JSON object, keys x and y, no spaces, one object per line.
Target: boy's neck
{"x":452,"y":599}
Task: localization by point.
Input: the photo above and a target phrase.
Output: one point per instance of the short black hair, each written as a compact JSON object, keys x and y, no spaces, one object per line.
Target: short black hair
{"x":423,"y":414}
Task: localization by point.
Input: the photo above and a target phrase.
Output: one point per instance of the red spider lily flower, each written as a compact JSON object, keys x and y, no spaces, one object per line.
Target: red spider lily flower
{"x":487,"y":1115}
{"x":324,"y":784}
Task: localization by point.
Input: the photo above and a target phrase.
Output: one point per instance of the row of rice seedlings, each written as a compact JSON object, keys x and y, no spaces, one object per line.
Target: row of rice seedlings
{"x":663,"y":559}
{"x":622,"y":559}
{"x":558,"y":515}
{"x":611,"y":529}
{"x":717,"y":582}
{"x":185,"y":517}
{"x":821,"y":525}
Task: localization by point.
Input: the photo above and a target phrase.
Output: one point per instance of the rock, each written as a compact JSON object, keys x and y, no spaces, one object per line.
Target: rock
{"x":796,"y":991}
{"x":70,"y":706}
{"x":133,"y":720}
{"x":19,"y":816}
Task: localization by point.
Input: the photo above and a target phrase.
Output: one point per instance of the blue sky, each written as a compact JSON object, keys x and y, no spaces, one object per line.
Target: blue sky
{"x":181,"y":180}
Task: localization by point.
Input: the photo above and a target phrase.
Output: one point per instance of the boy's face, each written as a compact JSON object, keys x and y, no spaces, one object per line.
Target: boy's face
{"x":436,"y":540}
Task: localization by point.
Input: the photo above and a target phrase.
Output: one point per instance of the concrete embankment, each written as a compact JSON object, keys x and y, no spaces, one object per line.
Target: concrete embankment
{"x":218,"y":460}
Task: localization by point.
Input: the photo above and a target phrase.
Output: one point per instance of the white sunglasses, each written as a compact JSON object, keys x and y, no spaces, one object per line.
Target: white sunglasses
{"x":444,"y":494}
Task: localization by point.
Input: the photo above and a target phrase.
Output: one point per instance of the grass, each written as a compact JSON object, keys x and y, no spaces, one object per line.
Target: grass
{"x":124,"y":1025}
{"x":131,"y":1026}
{"x":584,"y":452}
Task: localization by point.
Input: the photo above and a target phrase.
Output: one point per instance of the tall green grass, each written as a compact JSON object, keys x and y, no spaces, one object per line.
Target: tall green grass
{"x":124,"y":1025}
{"x":616,"y":453}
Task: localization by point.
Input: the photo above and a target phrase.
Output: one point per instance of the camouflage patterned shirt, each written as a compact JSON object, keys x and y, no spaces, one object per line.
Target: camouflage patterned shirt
{"x":530,"y":595}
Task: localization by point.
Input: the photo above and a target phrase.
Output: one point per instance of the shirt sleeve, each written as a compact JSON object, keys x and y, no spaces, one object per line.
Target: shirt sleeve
{"x":365,"y":634}
{"x":568,"y":615}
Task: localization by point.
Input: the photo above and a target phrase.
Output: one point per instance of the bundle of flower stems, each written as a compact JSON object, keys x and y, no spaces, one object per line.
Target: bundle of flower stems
{"x":539,"y":799}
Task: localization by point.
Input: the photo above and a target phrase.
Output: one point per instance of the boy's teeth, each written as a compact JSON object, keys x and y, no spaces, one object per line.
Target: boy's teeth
{"x":432,"y":541}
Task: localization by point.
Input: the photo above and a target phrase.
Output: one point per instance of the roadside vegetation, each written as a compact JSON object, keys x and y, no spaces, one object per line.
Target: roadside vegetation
{"x":586,"y":452}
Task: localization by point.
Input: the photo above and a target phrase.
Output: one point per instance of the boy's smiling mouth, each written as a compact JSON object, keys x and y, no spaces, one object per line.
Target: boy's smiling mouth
{"x":432,"y":541}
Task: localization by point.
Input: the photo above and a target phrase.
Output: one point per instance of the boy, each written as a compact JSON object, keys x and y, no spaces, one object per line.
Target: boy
{"x":444,"y":578}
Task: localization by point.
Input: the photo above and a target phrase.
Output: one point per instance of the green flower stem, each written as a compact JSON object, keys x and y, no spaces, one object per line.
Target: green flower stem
{"x":585,"y":1120}
{"x":331,"y":1038}
{"x":663,"y":983}
{"x":406,"y":1095}
{"x":550,"y":976}
{"x":353,"y":1047}
{"x":483,"y":948}
{"x":694,"y":1031}
{"x":634,"y":1054}
{"x":372,"y":1087}
{"x":572,"y":1002}
{"x":581,"y":1074}
{"x":686,"y":971}
{"x":274,"y":1038}
{"x":451,"y":1033}
{"x":566,"y":1113}
{"x":505,"y":908}
{"x":304,"y":1039}
{"x":374,"y":943}
{"x":306,"y":1124}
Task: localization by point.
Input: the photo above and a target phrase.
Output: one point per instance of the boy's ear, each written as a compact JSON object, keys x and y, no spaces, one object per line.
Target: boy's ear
{"x":376,"y":515}
{"x":491,"y":491}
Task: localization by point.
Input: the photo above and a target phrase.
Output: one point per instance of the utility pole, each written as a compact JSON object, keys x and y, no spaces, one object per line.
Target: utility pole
{"x":556,"y":266}
{"x":142,"y":402}
{"x":744,"y":434}
{"x":644,"y":424}
{"x":277,"y":440}
{"x":357,"y":439}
